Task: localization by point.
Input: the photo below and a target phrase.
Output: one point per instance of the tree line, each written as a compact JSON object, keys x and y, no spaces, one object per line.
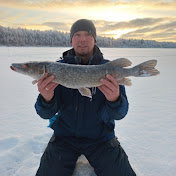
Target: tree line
{"x":24,"y":37}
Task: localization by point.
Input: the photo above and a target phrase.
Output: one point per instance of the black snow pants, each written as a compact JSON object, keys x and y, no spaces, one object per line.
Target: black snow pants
{"x":107,"y":158}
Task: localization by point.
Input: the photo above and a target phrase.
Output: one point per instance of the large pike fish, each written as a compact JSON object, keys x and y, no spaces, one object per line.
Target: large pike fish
{"x":82,"y":77}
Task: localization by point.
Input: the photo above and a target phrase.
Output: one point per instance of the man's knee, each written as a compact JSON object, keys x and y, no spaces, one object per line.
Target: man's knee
{"x":111,"y":160}
{"x":51,"y":162}
{"x":57,"y":159}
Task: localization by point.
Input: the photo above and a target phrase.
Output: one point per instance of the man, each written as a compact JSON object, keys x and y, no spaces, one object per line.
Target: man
{"x":83,"y":125}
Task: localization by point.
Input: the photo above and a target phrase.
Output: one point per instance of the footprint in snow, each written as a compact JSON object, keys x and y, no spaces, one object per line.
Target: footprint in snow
{"x":8,"y":143}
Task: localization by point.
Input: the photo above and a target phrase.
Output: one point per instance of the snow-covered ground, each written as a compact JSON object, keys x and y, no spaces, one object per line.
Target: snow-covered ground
{"x":147,"y":133}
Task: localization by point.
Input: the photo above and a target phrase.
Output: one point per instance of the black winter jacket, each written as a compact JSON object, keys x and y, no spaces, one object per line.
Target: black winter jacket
{"x":75,"y":116}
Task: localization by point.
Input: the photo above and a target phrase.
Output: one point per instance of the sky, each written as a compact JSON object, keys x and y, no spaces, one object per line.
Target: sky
{"x":129,"y":19}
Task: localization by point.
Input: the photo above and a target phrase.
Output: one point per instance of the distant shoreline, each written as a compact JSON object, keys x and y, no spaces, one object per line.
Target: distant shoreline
{"x":71,"y":47}
{"x":35,"y":38}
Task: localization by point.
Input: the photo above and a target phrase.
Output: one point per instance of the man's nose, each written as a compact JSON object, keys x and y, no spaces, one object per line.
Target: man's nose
{"x":83,"y":38}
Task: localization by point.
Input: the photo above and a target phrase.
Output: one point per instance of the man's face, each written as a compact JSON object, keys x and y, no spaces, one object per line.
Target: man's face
{"x":83,"y":43}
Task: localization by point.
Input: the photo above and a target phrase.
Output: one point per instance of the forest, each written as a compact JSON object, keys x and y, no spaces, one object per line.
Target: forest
{"x":25,"y":37}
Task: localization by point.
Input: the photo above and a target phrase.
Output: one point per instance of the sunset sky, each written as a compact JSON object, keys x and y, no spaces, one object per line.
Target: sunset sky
{"x":139,"y":19}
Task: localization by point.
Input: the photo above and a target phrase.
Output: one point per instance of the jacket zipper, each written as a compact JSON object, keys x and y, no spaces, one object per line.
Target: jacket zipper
{"x":76,"y":109}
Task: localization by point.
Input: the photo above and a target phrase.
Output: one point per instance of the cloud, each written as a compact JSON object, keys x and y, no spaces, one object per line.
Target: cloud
{"x":157,"y":4}
{"x":162,"y":29}
{"x":58,"y":26}
{"x":124,"y":18}
{"x":161,"y":32}
{"x":165,"y":4}
{"x":136,"y":23}
{"x":54,"y":3}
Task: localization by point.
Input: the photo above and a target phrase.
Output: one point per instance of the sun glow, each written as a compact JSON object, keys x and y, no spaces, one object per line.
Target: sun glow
{"x":118,"y":33}
{"x":36,"y":27}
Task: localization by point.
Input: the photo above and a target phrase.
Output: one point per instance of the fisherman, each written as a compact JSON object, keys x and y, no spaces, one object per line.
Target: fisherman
{"x":82,"y":125}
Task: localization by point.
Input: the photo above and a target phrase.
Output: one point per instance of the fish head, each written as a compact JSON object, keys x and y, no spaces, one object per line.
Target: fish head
{"x":33,"y":69}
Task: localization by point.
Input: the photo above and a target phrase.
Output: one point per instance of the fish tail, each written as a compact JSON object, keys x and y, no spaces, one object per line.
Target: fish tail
{"x":146,"y":69}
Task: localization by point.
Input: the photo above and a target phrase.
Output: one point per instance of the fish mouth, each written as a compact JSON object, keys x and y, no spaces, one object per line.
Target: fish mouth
{"x":12,"y":68}
{"x":18,"y":67}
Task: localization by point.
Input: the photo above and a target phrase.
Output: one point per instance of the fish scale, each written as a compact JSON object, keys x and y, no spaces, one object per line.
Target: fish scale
{"x":83,"y":77}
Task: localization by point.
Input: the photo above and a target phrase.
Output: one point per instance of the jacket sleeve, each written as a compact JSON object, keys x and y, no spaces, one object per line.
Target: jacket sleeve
{"x":116,"y":110}
{"x":47,"y":110}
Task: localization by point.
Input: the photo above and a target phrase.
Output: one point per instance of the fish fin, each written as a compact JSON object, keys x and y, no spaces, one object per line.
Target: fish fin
{"x":121,"y":62}
{"x":146,"y":69}
{"x":34,"y":82}
{"x":44,"y":69}
{"x":85,"y":92}
{"x":125,"y":81}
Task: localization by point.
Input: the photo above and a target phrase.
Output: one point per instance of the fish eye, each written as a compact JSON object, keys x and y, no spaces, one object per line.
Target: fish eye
{"x":25,"y":66}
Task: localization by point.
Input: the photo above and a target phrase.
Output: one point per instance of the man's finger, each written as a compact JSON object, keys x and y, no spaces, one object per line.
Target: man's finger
{"x":108,"y":84}
{"x":42,"y":78}
{"x":107,"y":90}
{"x":112,"y":79}
{"x":47,"y":81}
{"x":51,"y":86}
{"x":54,"y":86}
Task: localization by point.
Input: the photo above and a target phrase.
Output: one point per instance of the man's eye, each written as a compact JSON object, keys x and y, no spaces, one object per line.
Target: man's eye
{"x":89,"y":34}
{"x":77,"y":35}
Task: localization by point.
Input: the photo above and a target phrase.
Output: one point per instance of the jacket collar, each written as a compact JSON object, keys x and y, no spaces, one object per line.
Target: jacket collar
{"x":69,"y":57}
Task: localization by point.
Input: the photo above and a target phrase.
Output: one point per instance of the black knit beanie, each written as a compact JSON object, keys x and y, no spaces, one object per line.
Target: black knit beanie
{"x":83,"y":25}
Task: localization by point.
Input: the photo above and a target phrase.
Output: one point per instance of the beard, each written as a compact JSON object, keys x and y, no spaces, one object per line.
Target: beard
{"x":84,"y":52}
{"x":84,"y":57}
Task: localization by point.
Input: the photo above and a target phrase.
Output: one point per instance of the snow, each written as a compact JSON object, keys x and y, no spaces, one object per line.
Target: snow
{"x":147,"y":133}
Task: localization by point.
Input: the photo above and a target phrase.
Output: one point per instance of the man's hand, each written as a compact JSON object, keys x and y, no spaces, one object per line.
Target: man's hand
{"x":46,"y":87}
{"x":110,"y":88}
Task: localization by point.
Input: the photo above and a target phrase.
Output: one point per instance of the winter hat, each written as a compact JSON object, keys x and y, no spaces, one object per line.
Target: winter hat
{"x":83,"y":25}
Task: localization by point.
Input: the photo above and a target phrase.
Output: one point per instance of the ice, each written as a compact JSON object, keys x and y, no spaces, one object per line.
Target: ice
{"x":147,"y":133}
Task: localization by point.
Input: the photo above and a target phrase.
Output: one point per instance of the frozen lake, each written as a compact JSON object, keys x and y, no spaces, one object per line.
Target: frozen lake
{"x":147,"y":133}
